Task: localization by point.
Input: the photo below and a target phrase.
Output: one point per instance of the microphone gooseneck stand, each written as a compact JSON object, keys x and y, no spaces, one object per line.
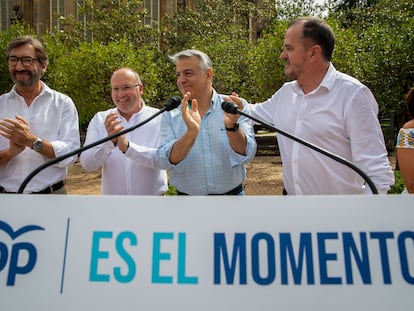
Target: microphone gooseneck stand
{"x":170,"y":104}
{"x":232,"y":108}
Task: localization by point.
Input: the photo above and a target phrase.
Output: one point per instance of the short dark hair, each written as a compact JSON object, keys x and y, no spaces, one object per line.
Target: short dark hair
{"x":319,"y":33}
{"x":409,"y":102}
{"x":41,"y":54}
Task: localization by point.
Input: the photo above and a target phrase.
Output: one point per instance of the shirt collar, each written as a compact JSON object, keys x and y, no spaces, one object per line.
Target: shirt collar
{"x":215,"y":100}
{"x":45,"y":89}
{"x":326,"y":84}
{"x":134,"y":115}
{"x":329,"y":79}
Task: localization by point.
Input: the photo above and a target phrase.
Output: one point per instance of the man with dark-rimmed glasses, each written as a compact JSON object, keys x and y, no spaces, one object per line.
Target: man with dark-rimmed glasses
{"x":37,"y":123}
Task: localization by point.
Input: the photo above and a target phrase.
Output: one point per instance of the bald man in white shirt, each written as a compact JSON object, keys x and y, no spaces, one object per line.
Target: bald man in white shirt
{"x":121,"y":174}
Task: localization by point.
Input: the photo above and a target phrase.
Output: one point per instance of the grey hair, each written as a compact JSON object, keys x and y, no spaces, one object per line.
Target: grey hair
{"x":205,"y":62}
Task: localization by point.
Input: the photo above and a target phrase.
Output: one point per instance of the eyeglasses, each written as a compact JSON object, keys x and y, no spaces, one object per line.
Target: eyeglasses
{"x":125,"y":88}
{"x":26,"y":60}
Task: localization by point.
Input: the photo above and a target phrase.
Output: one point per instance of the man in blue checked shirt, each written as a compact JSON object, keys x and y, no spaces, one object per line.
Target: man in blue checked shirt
{"x":204,"y":148}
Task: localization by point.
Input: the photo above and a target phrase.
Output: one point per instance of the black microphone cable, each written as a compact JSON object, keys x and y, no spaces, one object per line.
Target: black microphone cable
{"x":232,"y":108}
{"x":169,"y":105}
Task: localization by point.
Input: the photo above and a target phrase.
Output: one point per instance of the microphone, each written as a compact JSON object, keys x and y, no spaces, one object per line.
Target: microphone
{"x":232,"y":108}
{"x":169,"y":105}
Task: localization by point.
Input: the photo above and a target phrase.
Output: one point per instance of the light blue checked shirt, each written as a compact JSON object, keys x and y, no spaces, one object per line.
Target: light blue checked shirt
{"x":211,"y":166}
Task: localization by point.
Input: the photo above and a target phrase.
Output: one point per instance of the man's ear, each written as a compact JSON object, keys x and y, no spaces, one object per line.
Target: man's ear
{"x":209,"y":73}
{"x":316,"y":51}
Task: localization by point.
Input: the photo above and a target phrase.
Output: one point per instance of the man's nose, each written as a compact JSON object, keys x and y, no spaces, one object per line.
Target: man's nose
{"x":19,"y":65}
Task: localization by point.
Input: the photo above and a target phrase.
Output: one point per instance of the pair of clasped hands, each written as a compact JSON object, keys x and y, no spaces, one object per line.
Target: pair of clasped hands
{"x":18,"y":133}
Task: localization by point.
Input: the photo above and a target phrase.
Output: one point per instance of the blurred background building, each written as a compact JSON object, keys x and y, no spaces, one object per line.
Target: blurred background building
{"x":43,"y":15}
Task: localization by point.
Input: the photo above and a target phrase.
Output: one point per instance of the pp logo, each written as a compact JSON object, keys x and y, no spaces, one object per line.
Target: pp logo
{"x":25,"y":250}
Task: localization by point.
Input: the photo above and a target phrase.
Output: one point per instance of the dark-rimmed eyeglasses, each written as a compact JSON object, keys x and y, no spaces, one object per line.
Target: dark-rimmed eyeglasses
{"x":26,"y":60}
{"x":125,"y":88}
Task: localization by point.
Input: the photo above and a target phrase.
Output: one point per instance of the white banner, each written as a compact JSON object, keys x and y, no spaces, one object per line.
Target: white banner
{"x":206,"y":253}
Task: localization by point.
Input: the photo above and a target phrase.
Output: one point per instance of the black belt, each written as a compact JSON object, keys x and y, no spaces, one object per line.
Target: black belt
{"x":235,"y":191}
{"x":51,"y":188}
{"x":47,"y":190}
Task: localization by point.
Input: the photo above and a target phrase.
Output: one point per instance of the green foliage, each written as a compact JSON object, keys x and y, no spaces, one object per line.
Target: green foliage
{"x":5,"y":81}
{"x":287,"y":10}
{"x":265,"y":74}
{"x":110,"y":20}
{"x":208,"y":20}
{"x":230,"y":72}
{"x":377,"y":49}
{"x":171,"y":190}
{"x":398,"y":186}
{"x":88,"y":70}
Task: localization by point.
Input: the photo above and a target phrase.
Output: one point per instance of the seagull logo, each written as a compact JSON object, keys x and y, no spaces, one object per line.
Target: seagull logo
{"x":13,"y":256}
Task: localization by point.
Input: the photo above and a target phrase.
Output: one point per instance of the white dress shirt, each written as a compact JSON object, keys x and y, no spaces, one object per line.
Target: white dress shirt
{"x":52,"y":116}
{"x":340,"y":115}
{"x":121,"y":174}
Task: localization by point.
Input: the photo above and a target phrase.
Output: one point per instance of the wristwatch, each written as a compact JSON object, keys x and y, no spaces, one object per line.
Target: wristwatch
{"x":37,"y":144}
{"x":234,"y":128}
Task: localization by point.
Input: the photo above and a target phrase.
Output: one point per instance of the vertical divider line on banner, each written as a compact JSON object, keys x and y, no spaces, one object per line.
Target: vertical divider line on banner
{"x":64,"y":256}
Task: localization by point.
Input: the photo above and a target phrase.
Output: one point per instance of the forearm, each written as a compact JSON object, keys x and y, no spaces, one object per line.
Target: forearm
{"x":382,"y":176}
{"x":93,"y":158}
{"x":405,"y":158}
{"x":237,"y":141}
{"x":409,"y":183}
{"x":182,"y":147}
{"x":144,"y":156}
{"x":5,"y":156}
